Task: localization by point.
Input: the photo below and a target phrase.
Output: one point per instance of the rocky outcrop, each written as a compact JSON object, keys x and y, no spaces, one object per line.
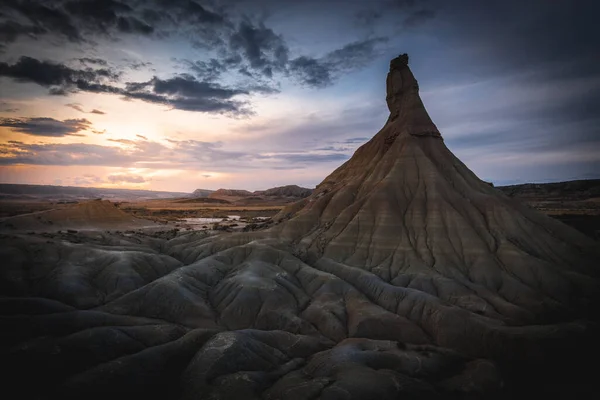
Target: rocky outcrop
{"x":402,"y":275}
{"x":230,"y":192}
{"x":286,"y":191}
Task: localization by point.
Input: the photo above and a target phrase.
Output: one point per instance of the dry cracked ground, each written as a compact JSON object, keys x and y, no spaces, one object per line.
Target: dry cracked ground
{"x":402,"y":276}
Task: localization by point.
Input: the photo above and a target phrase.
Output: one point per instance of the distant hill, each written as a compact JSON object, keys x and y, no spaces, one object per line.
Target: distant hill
{"x":70,"y":193}
{"x":287,"y":191}
{"x":201,"y":193}
{"x":281,"y":194}
{"x":230,"y":192}
{"x":569,"y":190}
{"x":93,"y":214}
{"x":576,"y":203}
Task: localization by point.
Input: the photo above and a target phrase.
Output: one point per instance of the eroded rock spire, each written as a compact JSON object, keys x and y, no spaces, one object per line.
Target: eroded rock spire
{"x":404,"y":103}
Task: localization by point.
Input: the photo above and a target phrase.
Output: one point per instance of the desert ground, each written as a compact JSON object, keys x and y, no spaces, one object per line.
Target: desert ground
{"x":401,"y":275}
{"x":575,"y":203}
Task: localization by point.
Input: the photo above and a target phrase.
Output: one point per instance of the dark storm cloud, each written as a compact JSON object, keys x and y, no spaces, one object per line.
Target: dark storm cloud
{"x":91,"y":60}
{"x":46,"y":126}
{"x":81,"y":20}
{"x":322,"y":72}
{"x":311,"y":72}
{"x":213,"y":68}
{"x":189,"y":10}
{"x":42,"y":18}
{"x":11,"y":30}
{"x":56,"y":76}
{"x":138,"y":65}
{"x":182,"y":92}
{"x":101,"y":14}
{"x":262,"y":47}
{"x":243,"y":47}
{"x":189,"y":87}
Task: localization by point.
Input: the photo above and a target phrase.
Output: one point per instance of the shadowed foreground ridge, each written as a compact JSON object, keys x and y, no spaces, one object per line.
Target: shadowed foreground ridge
{"x":402,"y":275}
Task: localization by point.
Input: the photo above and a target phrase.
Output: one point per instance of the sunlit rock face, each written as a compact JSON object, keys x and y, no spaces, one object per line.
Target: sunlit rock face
{"x":401,"y":276}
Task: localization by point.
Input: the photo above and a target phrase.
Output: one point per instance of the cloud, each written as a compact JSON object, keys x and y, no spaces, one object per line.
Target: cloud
{"x":213,"y":68}
{"x":322,"y":72}
{"x":249,"y":55}
{"x":42,"y":18}
{"x":142,"y":137}
{"x":58,"y":77}
{"x":75,"y":106}
{"x":261,"y":46}
{"x":138,"y":65}
{"x":182,"y":92}
{"x":126,"y":178}
{"x":176,"y":154}
{"x":94,"y":61}
{"x":84,"y":20}
{"x":87,"y":180}
{"x":311,"y":72}
{"x":46,"y":126}
{"x":79,"y":107}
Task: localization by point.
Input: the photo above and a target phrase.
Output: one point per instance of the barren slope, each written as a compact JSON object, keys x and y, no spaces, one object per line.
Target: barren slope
{"x":402,"y":276}
{"x":92,"y":214}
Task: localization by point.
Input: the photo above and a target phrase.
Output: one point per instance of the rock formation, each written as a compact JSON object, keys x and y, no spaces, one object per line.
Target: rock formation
{"x":92,"y":214}
{"x":401,"y":275}
{"x":286,"y":191}
{"x":275,"y":196}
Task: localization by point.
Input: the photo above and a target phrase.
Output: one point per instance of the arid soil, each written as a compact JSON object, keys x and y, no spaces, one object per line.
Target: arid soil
{"x":402,"y":275}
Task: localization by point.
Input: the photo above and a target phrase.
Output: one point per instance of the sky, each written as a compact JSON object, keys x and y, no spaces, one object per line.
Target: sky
{"x":176,"y":95}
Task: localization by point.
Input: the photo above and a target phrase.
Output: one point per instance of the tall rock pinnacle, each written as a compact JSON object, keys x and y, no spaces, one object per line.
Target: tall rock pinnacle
{"x":404,"y":102}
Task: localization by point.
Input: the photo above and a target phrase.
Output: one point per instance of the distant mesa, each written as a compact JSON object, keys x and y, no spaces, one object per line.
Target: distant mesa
{"x":276,"y":195}
{"x":230,"y":193}
{"x":288,"y":191}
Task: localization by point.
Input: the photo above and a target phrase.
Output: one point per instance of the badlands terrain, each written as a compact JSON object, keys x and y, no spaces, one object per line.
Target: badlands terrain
{"x":402,"y":275}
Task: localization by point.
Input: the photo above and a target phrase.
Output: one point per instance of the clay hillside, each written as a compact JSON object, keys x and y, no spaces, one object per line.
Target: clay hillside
{"x":92,"y":214}
{"x":402,"y":275}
